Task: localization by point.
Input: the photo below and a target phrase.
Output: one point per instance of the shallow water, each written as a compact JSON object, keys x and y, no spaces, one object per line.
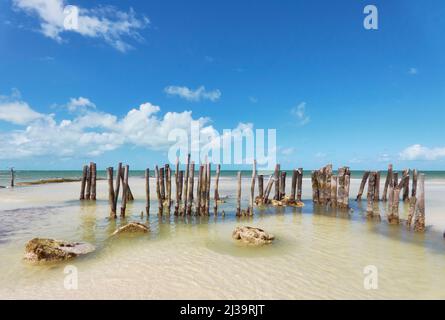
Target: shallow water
{"x":318,"y":253}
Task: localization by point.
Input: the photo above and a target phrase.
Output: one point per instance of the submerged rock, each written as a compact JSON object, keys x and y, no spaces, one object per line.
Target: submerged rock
{"x":253,"y":236}
{"x":132,"y":227}
{"x":50,"y":250}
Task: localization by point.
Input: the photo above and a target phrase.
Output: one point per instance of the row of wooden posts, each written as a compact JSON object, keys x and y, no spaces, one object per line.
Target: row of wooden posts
{"x":328,"y":189}
{"x":391,"y":193}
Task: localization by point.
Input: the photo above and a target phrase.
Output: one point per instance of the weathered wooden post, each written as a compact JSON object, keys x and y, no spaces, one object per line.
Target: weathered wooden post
{"x":93,"y":181}
{"x":124,"y":190}
{"x":412,"y":211}
{"x":179,"y":193}
{"x":207,"y":188}
{"x":260,"y":197}
{"x":388,"y":181}
{"x":83,"y":182}
{"x":315,"y":186}
{"x":216,"y":196}
{"x":238,"y":196}
{"x":12,"y":178}
{"x":118,"y":184}
{"x":300,"y":184}
{"x":162,"y":183}
{"x":419,"y":223}
{"x":169,"y":187}
{"x":341,"y":187}
{"x":199,"y":190}
{"x":252,"y":189}
{"x":293,"y":186}
{"x":377,"y":187}
{"x":158,"y":191}
{"x":362,"y":185}
{"x":322,"y":186}
{"x":190,"y":188}
{"x":328,"y":178}
{"x":277,"y":182}
{"x":111,"y":193}
{"x":147,"y":191}
{"x":186,"y":183}
{"x":268,"y":189}
{"x":88,"y":192}
{"x":395,"y":179}
{"x":405,"y":186}
{"x":347,"y":187}
{"x":333,"y":191}
{"x":414,"y":186}
{"x":370,"y":195}
{"x":283,"y":185}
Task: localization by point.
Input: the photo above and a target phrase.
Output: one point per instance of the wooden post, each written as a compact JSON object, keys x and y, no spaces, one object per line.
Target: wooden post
{"x":216,"y":196}
{"x":83,"y":182}
{"x":199,"y":191}
{"x":93,"y":181}
{"x":207,"y":188}
{"x":293,"y":187}
{"x":333,"y":191}
{"x":190,"y":188}
{"x":252,"y":189}
{"x":118,"y":184}
{"x":111,"y":193}
{"x":168,"y":173}
{"x":88,"y":193}
{"x":395,"y":206}
{"x":277,"y":182}
{"x":124,"y":190}
{"x":395,"y":179}
{"x":377,"y":187}
{"x":130,"y":196}
{"x":260,"y":197}
{"x":315,"y":194}
{"x":414,"y":185}
{"x":283,"y":185}
{"x":268,"y":189}
{"x":238,"y":196}
{"x":388,"y":181}
{"x":371,"y":192}
{"x":406,"y":178}
{"x":12,"y":178}
{"x":300,"y":184}
{"x":186,"y":183}
{"x":347,"y":188}
{"x":328,"y":178}
{"x":147,"y":191}
{"x":341,"y":187}
{"x":158,"y":191}
{"x":162,"y":183}
{"x":178,"y":189}
{"x":419,"y":223}
{"x":321,"y":186}
{"x":362,"y":186}
{"x":412,"y":211}
{"x":390,"y":199}
{"x":181,"y":186}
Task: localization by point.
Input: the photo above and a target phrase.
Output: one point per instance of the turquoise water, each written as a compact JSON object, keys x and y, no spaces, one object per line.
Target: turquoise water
{"x":34,"y":175}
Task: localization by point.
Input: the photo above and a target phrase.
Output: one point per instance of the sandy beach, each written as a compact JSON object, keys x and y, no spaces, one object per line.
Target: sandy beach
{"x":318,"y":254}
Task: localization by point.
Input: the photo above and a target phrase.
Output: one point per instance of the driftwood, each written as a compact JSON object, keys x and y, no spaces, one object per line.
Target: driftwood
{"x":111,"y":193}
{"x":270,"y":183}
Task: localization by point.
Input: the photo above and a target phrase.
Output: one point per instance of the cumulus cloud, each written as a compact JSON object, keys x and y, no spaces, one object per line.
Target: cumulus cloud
{"x":193,"y":95}
{"x":81,"y":103}
{"x":300,"y":113}
{"x":419,"y":152}
{"x":15,"y":111}
{"x":105,"y":22}
{"x":90,"y":133}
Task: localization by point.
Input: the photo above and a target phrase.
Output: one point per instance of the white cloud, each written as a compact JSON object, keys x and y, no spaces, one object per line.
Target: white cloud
{"x":90,"y":133}
{"x":193,"y":95}
{"x":300,"y":113}
{"x":105,"y":22}
{"x":15,"y":111}
{"x":413,"y":71}
{"x":80,"y":103}
{"x":419,"y":152}
{"x":287,"y":151}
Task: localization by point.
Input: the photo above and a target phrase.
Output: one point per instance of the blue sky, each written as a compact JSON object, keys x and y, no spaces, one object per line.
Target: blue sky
{"x":334,"y":91}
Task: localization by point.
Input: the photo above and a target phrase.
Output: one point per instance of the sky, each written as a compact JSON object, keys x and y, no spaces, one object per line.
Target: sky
{"x":132,"y":71}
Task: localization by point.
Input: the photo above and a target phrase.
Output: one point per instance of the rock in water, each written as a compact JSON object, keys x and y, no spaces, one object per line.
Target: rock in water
{"x":50,"y":250}
{"x":132,"y":227}
{"x":252,"y":236}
